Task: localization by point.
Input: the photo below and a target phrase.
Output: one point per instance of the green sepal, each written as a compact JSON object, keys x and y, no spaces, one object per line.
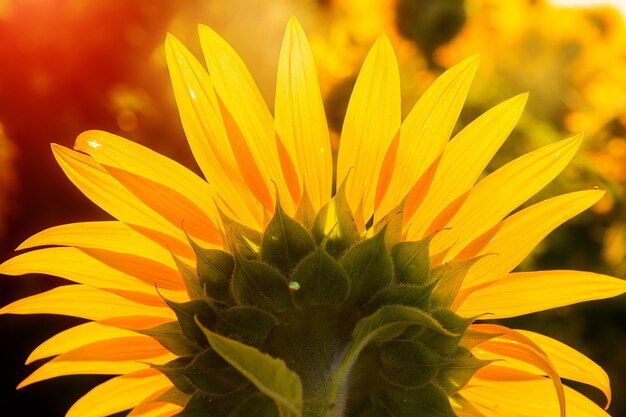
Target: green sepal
{"x":429,"y":400}
{"x":472,"y":338}
{"x":171,"y":337}
{"x":445,"y":345}
{"x":249,"y":325}
{"x":258,"y":284}
{"x":405,"y":295}
{"x":411,"y":261}
{"x":190,"y":277}
{"x":321,"y":280}
{"x":285,"y":241}
{"x":305,"y":213}
{"x":457,"y":374}
{"x":408,"y":364}
{"x":185,"y":313}
{"x":215,"y":270}
{"x":369,"y":268}
{"x":172,"y":371}
{"x":335,"y":224}
{"x":393,"y":222}
{"x":449,"y":278}
{"x":270,"y":375}
{"x":240,"y":238}
{"x":212,"y":376}
{"x":256,"y":406}
{"x":173,"y":396}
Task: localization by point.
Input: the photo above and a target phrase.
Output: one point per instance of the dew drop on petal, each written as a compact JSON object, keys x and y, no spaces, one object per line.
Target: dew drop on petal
{"x":93,"y":144}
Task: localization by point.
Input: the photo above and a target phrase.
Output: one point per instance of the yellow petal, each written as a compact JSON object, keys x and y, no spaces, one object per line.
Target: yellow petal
{"x":100,"y":269}
{"x":372,"y":119}
{"x":464,"y":159}
{"x":427,"y":129}
{"x":83,"y":301}
{"x":202,"y":121}
{"x":243,"y":102}
{"x":521,"y":293}
{"x":119,"y":394}
{"x":77,"y":336}
{"x":504,"y":190}
{"x":109,"y":235}
{"x":300,"y":118}
{"x":530,"y":398}
{"x":517,"y":235}
{"x":153,"y":409}
{"x":104,"y":190}
{"x":107,"y":357}
{"x":572,"y":364}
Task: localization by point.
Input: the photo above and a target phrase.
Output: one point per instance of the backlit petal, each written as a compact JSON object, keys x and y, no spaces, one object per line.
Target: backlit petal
{"x":300,"y":118}
{"x":372,"y":119}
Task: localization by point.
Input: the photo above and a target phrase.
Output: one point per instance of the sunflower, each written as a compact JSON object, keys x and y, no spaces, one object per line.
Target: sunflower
{"x":287,"y":285}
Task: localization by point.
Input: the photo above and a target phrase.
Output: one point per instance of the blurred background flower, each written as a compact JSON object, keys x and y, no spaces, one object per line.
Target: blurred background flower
{"x":73,"y":65}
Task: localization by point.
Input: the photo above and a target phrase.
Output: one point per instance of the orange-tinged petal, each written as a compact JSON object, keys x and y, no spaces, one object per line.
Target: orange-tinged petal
{"x":572,"y":364}
{"x":502,"y":191}
{"x":83,"y":301}
{"x":518,"y":234}
{"x":77,"y":336}
{"x":202,"y":121}
{"x":464,"y":159}
{"x":104,"y":190}
{"x":243,"y":101}
{"x":119,"y":394}
{"x":299,"y":115}
{"x":526,"y":398}
{"x":427,"y":129}
{"x":155,"y":409}
{"x":109,"y":235}
{"x":372,"y":119}
{"x":521,"y":293}
{"x":97,"y":268}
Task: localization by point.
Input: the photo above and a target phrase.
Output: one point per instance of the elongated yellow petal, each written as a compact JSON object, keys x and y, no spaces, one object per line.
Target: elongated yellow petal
{"x":83,"y":301}
{"x":372,"y":119}
{"x":108,"y":235}
{"x":77,"y":336}
{"x":100,"y":269}
{"x":526,"y":398}
{"x":572,"y":364}
{"x":202,"y":121}
{"x":154,"y":409}
{"x":464,"y":159}
{"x":502,"y":191}
{"x":249,"y":113}
{"x":518,"y":234}
{"x":427,"y":129}
{"x":521,"y":293}
{"x":119,"y":394}
{"x":104,"y":190}
{"x":300,"y":118}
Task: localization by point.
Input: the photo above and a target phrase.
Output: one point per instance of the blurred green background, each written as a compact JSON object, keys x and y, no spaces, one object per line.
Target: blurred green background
{"x":74,"y":65}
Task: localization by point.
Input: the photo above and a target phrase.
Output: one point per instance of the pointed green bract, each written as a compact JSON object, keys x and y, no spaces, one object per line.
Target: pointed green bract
{"x":214,"y":269}
{"x":448,"y":279}
{"x":411,"y":262}
{"x":305,"y":213}
{"x":249,"y":325}
{"x":409,"y":364}
{"x":429,"y":400}
{"x":258,"y":284}
{"x":190,"y":279}
{"x":171,"y":337}
{"x":335,"y":224}
{"x":240,"y":238}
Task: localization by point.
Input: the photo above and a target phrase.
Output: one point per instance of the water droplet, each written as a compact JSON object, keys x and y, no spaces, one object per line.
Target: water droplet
{"x":596,"y":187}
{"x":192,"y":93}
{"x":93,"y":144}
{"x":322,"y":150}
{"x":294,"y":285}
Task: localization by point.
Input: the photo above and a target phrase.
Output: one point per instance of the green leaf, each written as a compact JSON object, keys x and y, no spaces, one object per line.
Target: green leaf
{"x":411,"y":261}
{"x":305,"y":213}
{"x":215,"y":270}
{"x":185,"y":313}
{"x":249,"y":325}
{"x":171,"y":337}
{"x":240,"y":238}
{"x":457,"y":374}
{"x":256,"y":406}
{"x":369,"y":268}
{"x":258,"y":284}
{"x":405,"y":295}
{"x":190,"y":278}
{"x":430,"y":401}
{"x":270,"y":375}
{"x":212,"y":376}
{"x":285,"y":241}
{"x":408,"y":364}
{"x":321,"y":280}
{"x":335,"y":222}
{"x":173,"y":396}
{"x":449,"y":278}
